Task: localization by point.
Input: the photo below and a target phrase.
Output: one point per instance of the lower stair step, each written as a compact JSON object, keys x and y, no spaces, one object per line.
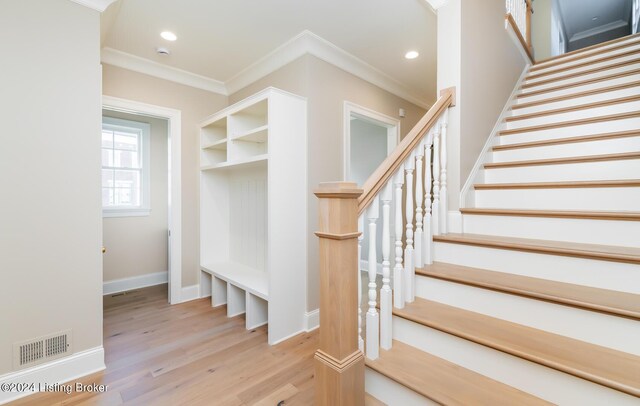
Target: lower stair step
{"x":443,"y":381}
{"x":589,"y":251}
{"x":610,"y":368}
{"x":601,"y":300}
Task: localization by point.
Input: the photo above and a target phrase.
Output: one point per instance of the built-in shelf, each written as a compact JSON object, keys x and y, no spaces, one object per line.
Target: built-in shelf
{"x":221,"y":144}
{"x":237,"y":163}
{"x":256,"y":135}
{"x":248,"y":279}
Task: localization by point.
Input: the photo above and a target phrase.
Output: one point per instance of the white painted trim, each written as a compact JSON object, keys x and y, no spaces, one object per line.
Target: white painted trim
{"x":352,"y":109}
{"x":98,"y":5}
{"x":134,"y":63}
{"x":436,"y":4}
{"x":302,"y":44}
{"x":312,"y":320}
{"x":454,"y":219}
{"x":59,"y":371}
{"x":466,"y":193}
{"x":134,"y":282}
{"x":190,"y":293}
{"x":175,"y":181}
{"x":598,"y":30}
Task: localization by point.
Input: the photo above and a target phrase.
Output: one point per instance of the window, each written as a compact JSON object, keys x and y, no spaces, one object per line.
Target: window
{"x":125,"y":168}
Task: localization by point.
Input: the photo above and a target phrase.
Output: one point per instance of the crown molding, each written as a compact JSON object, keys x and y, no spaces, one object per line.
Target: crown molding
{"x":124,"y":60}
{"x":598,"y":30}
{"x":436,"y":4}
{"x":98,"y":5}
{"x":309,"y":43}
{"x":302,"y":44}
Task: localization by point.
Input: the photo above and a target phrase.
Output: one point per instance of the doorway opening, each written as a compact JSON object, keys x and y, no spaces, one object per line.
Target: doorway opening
{"x":134,"y":257}
{"x":369,"y":137}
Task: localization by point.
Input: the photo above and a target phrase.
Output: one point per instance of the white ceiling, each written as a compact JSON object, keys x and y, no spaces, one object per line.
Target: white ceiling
{"x":577,"y":15}
{"x":218,"y":39}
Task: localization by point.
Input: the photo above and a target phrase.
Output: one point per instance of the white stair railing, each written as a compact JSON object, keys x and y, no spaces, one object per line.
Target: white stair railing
{"x":402,"y":188}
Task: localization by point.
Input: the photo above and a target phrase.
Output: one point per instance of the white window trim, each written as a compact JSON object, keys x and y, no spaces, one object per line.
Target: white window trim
{"x":145,"y":190}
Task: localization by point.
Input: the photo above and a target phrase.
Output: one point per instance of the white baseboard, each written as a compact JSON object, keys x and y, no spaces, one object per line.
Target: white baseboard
{"x":454,"y":220}
{"x":56,"y":372}
{"x":190,"y":293}
{"x":312,"y":320}
{"x":135,"y":282}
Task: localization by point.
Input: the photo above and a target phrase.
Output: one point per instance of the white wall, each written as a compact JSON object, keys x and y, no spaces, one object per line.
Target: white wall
{"x":137,"y":246}
{"x":50,"y":209}
{"x":541,"y":29}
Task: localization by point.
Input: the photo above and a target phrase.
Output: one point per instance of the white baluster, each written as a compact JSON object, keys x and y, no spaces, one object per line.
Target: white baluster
{"x":417,"y":239}
{"x":360,"y":238}
{"x":373,"y":321}
{"x":398,"y":281}
{"x":385,"y":291}
{"x":435,"y":209}
{"x":408,"y":251}
{"x":427,"y":233}
{"x":443,"y":174}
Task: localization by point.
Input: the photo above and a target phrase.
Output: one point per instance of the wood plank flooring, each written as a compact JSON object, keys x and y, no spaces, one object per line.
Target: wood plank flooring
{"x":191,"y":354}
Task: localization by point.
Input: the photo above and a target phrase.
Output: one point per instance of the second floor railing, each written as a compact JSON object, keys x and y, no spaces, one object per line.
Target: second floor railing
{"x":518,"y":14}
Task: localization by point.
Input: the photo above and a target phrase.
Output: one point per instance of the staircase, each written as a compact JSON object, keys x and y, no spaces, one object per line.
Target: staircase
{"x":537,"y":300}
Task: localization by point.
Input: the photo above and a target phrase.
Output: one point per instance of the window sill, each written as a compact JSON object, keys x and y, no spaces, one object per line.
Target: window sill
{"x":125,"y":213}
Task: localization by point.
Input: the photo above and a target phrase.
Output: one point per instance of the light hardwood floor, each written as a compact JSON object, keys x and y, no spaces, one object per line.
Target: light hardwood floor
{"x":191,"y":354}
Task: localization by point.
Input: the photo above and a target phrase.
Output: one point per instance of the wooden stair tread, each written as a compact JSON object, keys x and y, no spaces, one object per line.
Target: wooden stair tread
{"x":579,"y":83}
{"x":564,"y":248}
{"x":443,"y":381}
{"x":586,"y":106}
{"x":570,"y":96}
{"x":585,"y":49}
{"x":582,"y":73}
{"x":565,"y":160}
{"x":611,"y":368}
{"x":601,"y":300}
{"x":561,"y":185}
{"x":570,"y":123}
{"x":582,"y":64}
{"x":568,"y":140}
{"x":571,"y":58}
{"x":575,"y":214}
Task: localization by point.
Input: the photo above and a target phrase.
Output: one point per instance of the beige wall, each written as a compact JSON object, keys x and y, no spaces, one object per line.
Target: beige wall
{"x":541,"y":29}
{"x":327,"y":88}
{"x":50,"y":210}
{"x":137,"y":246}
{"x":195,"y":105}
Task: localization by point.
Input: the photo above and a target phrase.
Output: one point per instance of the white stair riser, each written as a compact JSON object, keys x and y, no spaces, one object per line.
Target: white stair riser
{"x":599,"y":147}
{"x":631,"y":91}
{"x":591,"y":66}
{"x":610,"y":275}
{"x":574,"y":115}
{"x":547,"y":82}
{"x":572,"y":131}
{"x":608,"y":199}
{"x":391,"y":392}
{"x":602,"y":170}
{"x":538,"y":380}
{"x":590,"y":55}
{"x":577,"y":89}
{"x":588,"y":231}
{"x":619,"y":333}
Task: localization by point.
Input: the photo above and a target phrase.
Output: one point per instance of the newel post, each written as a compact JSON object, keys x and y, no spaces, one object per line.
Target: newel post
{"x":339,"y":363}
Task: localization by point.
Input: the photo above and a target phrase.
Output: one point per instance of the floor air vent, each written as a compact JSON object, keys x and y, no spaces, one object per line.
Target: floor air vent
{"x":37,"y":351}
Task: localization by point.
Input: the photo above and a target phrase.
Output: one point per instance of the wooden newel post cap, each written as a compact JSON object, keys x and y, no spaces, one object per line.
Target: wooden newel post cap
{"x":339,"y":190}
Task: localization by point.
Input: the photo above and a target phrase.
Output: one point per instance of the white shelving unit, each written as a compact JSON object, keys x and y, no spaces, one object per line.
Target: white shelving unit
{"x":253,"y":211}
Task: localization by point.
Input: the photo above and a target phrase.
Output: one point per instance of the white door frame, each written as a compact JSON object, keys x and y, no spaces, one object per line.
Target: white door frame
{"x":364,"y":113}
{"x":174,"y":118}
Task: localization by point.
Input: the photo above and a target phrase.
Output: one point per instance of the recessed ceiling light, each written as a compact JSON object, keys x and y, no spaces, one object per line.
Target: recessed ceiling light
{"x":411,"y":55}
{"x":594,"y":18}
{"x":168,"y":35}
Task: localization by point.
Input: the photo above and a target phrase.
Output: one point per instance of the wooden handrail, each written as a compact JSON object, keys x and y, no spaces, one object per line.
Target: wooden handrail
{"x":523,"y":42}
{"x":390,"y":165}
